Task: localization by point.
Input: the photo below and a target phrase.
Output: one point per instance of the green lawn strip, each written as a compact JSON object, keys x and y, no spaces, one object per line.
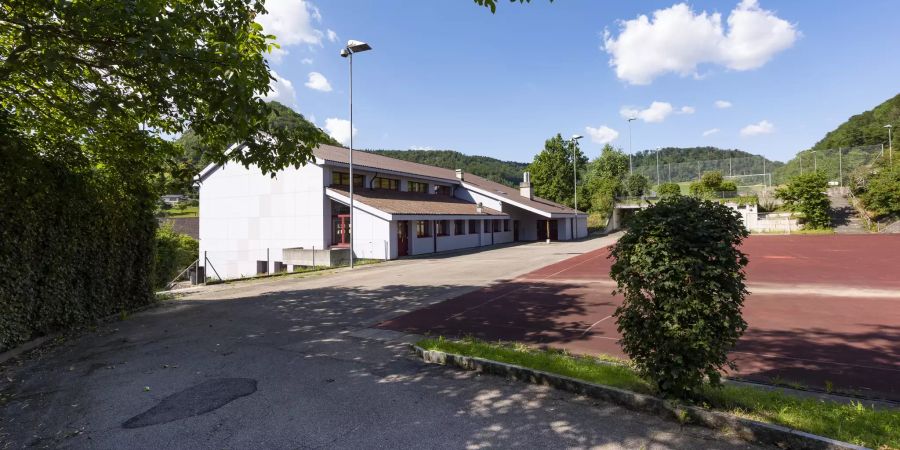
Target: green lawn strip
{"x":854,"y":423}
{"x":188,"y":211}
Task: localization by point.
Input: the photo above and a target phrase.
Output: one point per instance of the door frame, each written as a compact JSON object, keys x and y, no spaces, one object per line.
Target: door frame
{"x":402,"y":241}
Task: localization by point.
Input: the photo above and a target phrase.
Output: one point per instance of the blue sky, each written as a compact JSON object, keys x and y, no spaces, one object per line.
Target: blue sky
{"x":449,"y":75}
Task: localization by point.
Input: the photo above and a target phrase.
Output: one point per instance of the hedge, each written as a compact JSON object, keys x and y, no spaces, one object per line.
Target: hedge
{"x":76,"y":243}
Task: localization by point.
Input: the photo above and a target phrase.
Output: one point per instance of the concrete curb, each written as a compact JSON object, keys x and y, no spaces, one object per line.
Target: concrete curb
{"x":749,"y":430}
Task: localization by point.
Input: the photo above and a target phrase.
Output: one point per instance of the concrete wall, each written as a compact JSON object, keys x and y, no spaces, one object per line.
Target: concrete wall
{"x":371,"y":236}
{"x":244,"y":212}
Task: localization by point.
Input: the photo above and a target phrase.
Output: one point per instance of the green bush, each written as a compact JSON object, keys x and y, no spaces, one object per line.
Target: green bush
{"x":174,"y":252}
{"x":681,"y":273}
{"x":881,"y":193}
{"x":76,"y":243}
{"x":636,"y":184}
{"x":668,"y":189}
{"x":728,"y":186}
{"x":806,"y":194}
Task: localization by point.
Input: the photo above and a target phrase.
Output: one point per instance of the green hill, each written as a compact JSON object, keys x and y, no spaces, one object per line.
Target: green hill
{"x":683,"y":164}
{"x":859,"y":139}
{"x":506,"y":172}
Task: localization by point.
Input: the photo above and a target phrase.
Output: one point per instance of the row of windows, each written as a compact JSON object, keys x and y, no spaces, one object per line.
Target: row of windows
{"x":442,"y":227}
{"x":393,"y":184}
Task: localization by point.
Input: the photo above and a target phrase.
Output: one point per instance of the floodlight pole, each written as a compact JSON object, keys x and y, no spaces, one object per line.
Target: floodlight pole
{"x":657,"y":167}
{"x":630,"y":148}
{"x":575,"y":181}
{"x":890,"y":144}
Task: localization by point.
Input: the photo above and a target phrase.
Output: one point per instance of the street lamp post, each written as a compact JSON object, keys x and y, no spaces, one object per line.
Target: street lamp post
{"x":630,"y":148}
{"x":347,"y":52}
{"x":815,"y":162}
{"x":575,"y":139}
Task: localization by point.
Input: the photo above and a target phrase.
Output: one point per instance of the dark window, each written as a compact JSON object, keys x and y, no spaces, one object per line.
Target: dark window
{"x":343,"y":179}
{"x":459,"y":227}
{"x":496,"y":225}
{"x":506,"y":225}
{"x":386,"y":183}
{"x":487,"y":226}
{"x":441,"y":228}
{"x":473,"y":226}
{"x":443,"y":190}
{"x":422,"y":228}
{"x":415,"y":186}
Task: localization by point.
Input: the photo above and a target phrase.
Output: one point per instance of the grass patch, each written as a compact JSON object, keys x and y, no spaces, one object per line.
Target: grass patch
{"x":187,"y":211}
{"x":855,"y":423}
{"x":814,"y":231}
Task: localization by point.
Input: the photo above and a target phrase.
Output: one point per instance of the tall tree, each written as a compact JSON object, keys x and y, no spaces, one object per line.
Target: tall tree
{"x":551,"y":171}
{"x":605,"y":177}
{"x":112,"y":77}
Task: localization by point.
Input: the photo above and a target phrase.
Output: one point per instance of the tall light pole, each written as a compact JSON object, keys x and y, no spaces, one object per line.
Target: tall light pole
{"x":657,"y":167}
{"x":815,"y":162}
{"x":347,"y":52}
{"x":630,"y":148}
{"x":575,"y":139}
{"x":890,"y":144}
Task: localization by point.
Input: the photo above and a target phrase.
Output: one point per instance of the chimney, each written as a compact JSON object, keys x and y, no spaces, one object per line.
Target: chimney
{"x":479,"y":208}
{"x":525,"y":186}
{"x":459,"y":174}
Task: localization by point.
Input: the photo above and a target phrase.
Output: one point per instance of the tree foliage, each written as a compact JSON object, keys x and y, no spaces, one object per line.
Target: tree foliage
{"x":552,"y":171}
{"x":605,"y":177}
{"x":112,"y":77}
{"x":880,"y":192}
{"x":682,"y":276}
{"x":174,"y":252}
{"x":807,"y":194}
{"x":636,"y":184}
{"x":866,"y":128}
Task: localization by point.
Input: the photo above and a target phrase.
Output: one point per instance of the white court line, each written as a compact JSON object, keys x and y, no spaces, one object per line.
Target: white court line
{"x":593,"y":325}
{"x":572,"y":267}
{"x":482,"y":304}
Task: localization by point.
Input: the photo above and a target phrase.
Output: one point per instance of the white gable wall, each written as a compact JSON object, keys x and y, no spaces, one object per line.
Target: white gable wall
{"x":243,"y":213}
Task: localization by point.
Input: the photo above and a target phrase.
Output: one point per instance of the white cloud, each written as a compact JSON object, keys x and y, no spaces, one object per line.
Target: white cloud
{"x":656,"y":112}
{"x":339,"y":129}
{"x":678,"y":40}
{"x":332,"y":36}
{"x":318,"y":82}
{"x":755,"y":129}
{"x":687,"y":110}
{"x":601,"y":135}
{"x":292,"y":22}
{"x":710,"y":132}
{"x":281,"y":90}
{"x":722,"y":104}
{"x":306,"y":61}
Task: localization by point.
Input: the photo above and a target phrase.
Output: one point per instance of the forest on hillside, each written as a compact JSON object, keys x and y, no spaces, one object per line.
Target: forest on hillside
{"x":506,"y":172}
{"x":853,"y":146}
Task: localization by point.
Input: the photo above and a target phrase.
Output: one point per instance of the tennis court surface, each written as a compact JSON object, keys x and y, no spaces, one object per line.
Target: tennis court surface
{"x":821,"y":310}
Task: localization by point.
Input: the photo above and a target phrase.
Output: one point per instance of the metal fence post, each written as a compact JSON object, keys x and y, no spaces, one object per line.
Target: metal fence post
{"x":840,"y":168}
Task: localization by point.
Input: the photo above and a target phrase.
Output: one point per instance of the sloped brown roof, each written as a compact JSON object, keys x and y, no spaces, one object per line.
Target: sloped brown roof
{"x":373,"y":161}
{"x":414,"y":203}
{"x":503,"y":191}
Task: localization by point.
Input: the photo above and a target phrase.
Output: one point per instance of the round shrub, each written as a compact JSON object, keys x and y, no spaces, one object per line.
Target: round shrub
{"x":668,"y":189}
{"x":681,"y":273}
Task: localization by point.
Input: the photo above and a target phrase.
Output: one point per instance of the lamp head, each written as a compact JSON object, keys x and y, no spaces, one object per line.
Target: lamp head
{"x":345,"y":53}
{"x":357,"y":46}
{"x":576,"y":137}
{"x":888,"y":126}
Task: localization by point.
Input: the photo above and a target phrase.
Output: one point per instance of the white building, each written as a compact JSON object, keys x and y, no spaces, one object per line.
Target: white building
{"x":252,"y":223}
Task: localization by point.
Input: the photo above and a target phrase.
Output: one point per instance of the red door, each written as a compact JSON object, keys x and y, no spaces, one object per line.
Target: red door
{"x":403,"y":238}
{"x":340,"y":230}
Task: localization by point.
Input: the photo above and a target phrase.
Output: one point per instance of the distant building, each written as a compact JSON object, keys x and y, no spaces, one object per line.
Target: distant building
{"x":252,"y":223}
{"x":172,"y":199}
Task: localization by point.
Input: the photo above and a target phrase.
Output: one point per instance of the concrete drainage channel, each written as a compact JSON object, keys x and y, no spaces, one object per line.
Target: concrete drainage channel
{"x":749,"y":430}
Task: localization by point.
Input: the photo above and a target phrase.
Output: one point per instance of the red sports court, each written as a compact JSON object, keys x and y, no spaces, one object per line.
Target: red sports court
{"x":822,"y":310}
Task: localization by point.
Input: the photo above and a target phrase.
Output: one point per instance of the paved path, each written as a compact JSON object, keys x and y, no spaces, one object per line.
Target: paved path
{"x":844,"y":216}
{"x":276,"y":365}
